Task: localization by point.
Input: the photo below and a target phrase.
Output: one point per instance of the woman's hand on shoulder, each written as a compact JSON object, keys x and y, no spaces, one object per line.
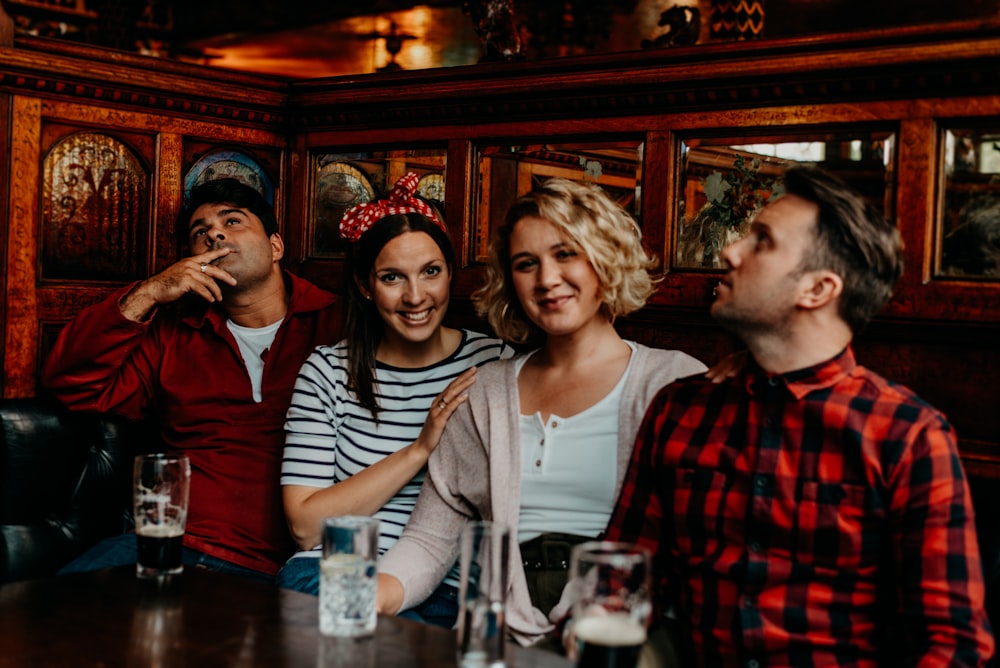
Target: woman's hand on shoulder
{"x":442,"y":409}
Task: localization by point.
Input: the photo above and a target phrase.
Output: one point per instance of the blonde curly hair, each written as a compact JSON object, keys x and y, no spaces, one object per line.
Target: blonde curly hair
{"x":606,"y":233}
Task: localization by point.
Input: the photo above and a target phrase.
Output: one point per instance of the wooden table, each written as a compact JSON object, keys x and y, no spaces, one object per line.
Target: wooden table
{"x":110,"y":618}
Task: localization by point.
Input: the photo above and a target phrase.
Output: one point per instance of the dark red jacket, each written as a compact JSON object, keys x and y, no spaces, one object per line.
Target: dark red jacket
{"x":184,"y":368}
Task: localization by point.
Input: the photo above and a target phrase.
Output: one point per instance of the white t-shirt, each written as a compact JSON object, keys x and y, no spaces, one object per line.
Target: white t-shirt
{"x":253,"y":341}
{"x":568,"y":468}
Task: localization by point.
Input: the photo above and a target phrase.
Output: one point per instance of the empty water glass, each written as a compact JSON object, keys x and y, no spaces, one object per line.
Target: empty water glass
{"x":347,"y":576}
{"x":484,"y":558}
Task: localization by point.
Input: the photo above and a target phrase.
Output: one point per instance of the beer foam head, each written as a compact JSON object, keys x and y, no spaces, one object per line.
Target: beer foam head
{"x":611,"y":630}
{"x":165,"y":530}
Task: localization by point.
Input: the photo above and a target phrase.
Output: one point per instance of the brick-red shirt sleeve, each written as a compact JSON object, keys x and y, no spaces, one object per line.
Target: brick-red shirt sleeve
{"x":940,"y":580}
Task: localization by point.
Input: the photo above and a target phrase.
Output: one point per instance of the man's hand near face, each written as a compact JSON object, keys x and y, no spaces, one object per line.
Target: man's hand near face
{"x":195,"y":274}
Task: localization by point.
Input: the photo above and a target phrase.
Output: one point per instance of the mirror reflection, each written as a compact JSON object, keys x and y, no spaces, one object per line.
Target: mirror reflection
{"x":969,"y":230}
{"x":509,"y":171}
{"x":725,"y":181}
{"x":343,"y":180}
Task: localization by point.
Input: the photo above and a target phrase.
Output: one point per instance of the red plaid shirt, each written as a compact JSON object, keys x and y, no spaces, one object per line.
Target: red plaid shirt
{"x":815,"y":518}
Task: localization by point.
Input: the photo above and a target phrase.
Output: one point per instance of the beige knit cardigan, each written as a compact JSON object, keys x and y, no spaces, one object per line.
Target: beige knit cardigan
{"x":475,"y":473}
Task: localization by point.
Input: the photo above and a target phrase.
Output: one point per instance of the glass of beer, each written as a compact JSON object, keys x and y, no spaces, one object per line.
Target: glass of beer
{"x":611,"y":603}
{"x":160,"y":503}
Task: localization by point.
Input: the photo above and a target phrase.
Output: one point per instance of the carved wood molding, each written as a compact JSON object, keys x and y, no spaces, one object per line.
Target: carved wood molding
{"x":529,"y":102}
{"x":49,"y":68}
{"x":867,"y":66}
{"x":963,"y":59}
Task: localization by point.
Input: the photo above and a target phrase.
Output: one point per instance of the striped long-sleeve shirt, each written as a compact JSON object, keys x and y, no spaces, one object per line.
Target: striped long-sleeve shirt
{"x":329,"y":436}
{"x":819,"y":517}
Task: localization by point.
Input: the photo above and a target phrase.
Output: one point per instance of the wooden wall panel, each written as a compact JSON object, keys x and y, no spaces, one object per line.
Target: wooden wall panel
{"x":5,"y":140}
{"x":168,"y":198}
{"x":939,"y":337}
{"x":21,"y":327}
{"x":160,"y":112}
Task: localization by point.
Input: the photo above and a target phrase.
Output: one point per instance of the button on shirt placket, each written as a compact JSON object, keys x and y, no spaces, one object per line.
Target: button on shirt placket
{"x":538,"y":450}
{"x":767,"y":409}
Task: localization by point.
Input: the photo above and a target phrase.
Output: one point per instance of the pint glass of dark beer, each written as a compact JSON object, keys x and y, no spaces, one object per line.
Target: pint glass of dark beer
{"x":160,"y":501}
{"x":611,"y":603}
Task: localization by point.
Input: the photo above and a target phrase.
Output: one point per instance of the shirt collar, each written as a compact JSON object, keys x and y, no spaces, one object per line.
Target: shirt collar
{"x":803,"y":381}
{"x":304,"y":297}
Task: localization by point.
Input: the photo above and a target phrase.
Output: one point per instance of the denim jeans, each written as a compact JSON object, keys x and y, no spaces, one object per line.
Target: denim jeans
{"x":440,"y":608}
{"x":122,"y":551}
{"x":300,"y":574}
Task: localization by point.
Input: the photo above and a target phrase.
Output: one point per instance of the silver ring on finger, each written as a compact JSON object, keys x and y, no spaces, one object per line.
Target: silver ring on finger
{"x":203,"y":267}
{"x":442,"y":404}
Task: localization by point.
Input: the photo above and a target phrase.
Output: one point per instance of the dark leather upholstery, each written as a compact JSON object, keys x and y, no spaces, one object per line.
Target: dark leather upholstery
{"x":986,"y":500}
{"x":64,"y":483}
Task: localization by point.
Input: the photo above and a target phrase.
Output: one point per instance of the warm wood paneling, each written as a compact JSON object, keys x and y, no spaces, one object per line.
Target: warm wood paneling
{"x":21,"y":325}
{"x":164,"y":113}
{"x":940,"y":337}
{"x":6,"y":126}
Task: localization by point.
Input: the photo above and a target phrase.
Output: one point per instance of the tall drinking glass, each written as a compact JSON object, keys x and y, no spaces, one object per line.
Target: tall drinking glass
{"x":348,"y":576}
{"x":611,"y":603}
{"x":484,"y":558}
{"x":161,"y":486}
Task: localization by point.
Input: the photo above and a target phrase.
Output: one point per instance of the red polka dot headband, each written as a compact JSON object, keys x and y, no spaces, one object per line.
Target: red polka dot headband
{"x":360,"y":218}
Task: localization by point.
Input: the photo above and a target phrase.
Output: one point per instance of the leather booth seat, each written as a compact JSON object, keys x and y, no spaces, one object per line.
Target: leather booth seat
{"x":986,"y":500}
{"x":64,"y":483}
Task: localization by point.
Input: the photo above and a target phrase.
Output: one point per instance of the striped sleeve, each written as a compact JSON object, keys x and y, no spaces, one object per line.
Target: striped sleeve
{"x":313,"y":419}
